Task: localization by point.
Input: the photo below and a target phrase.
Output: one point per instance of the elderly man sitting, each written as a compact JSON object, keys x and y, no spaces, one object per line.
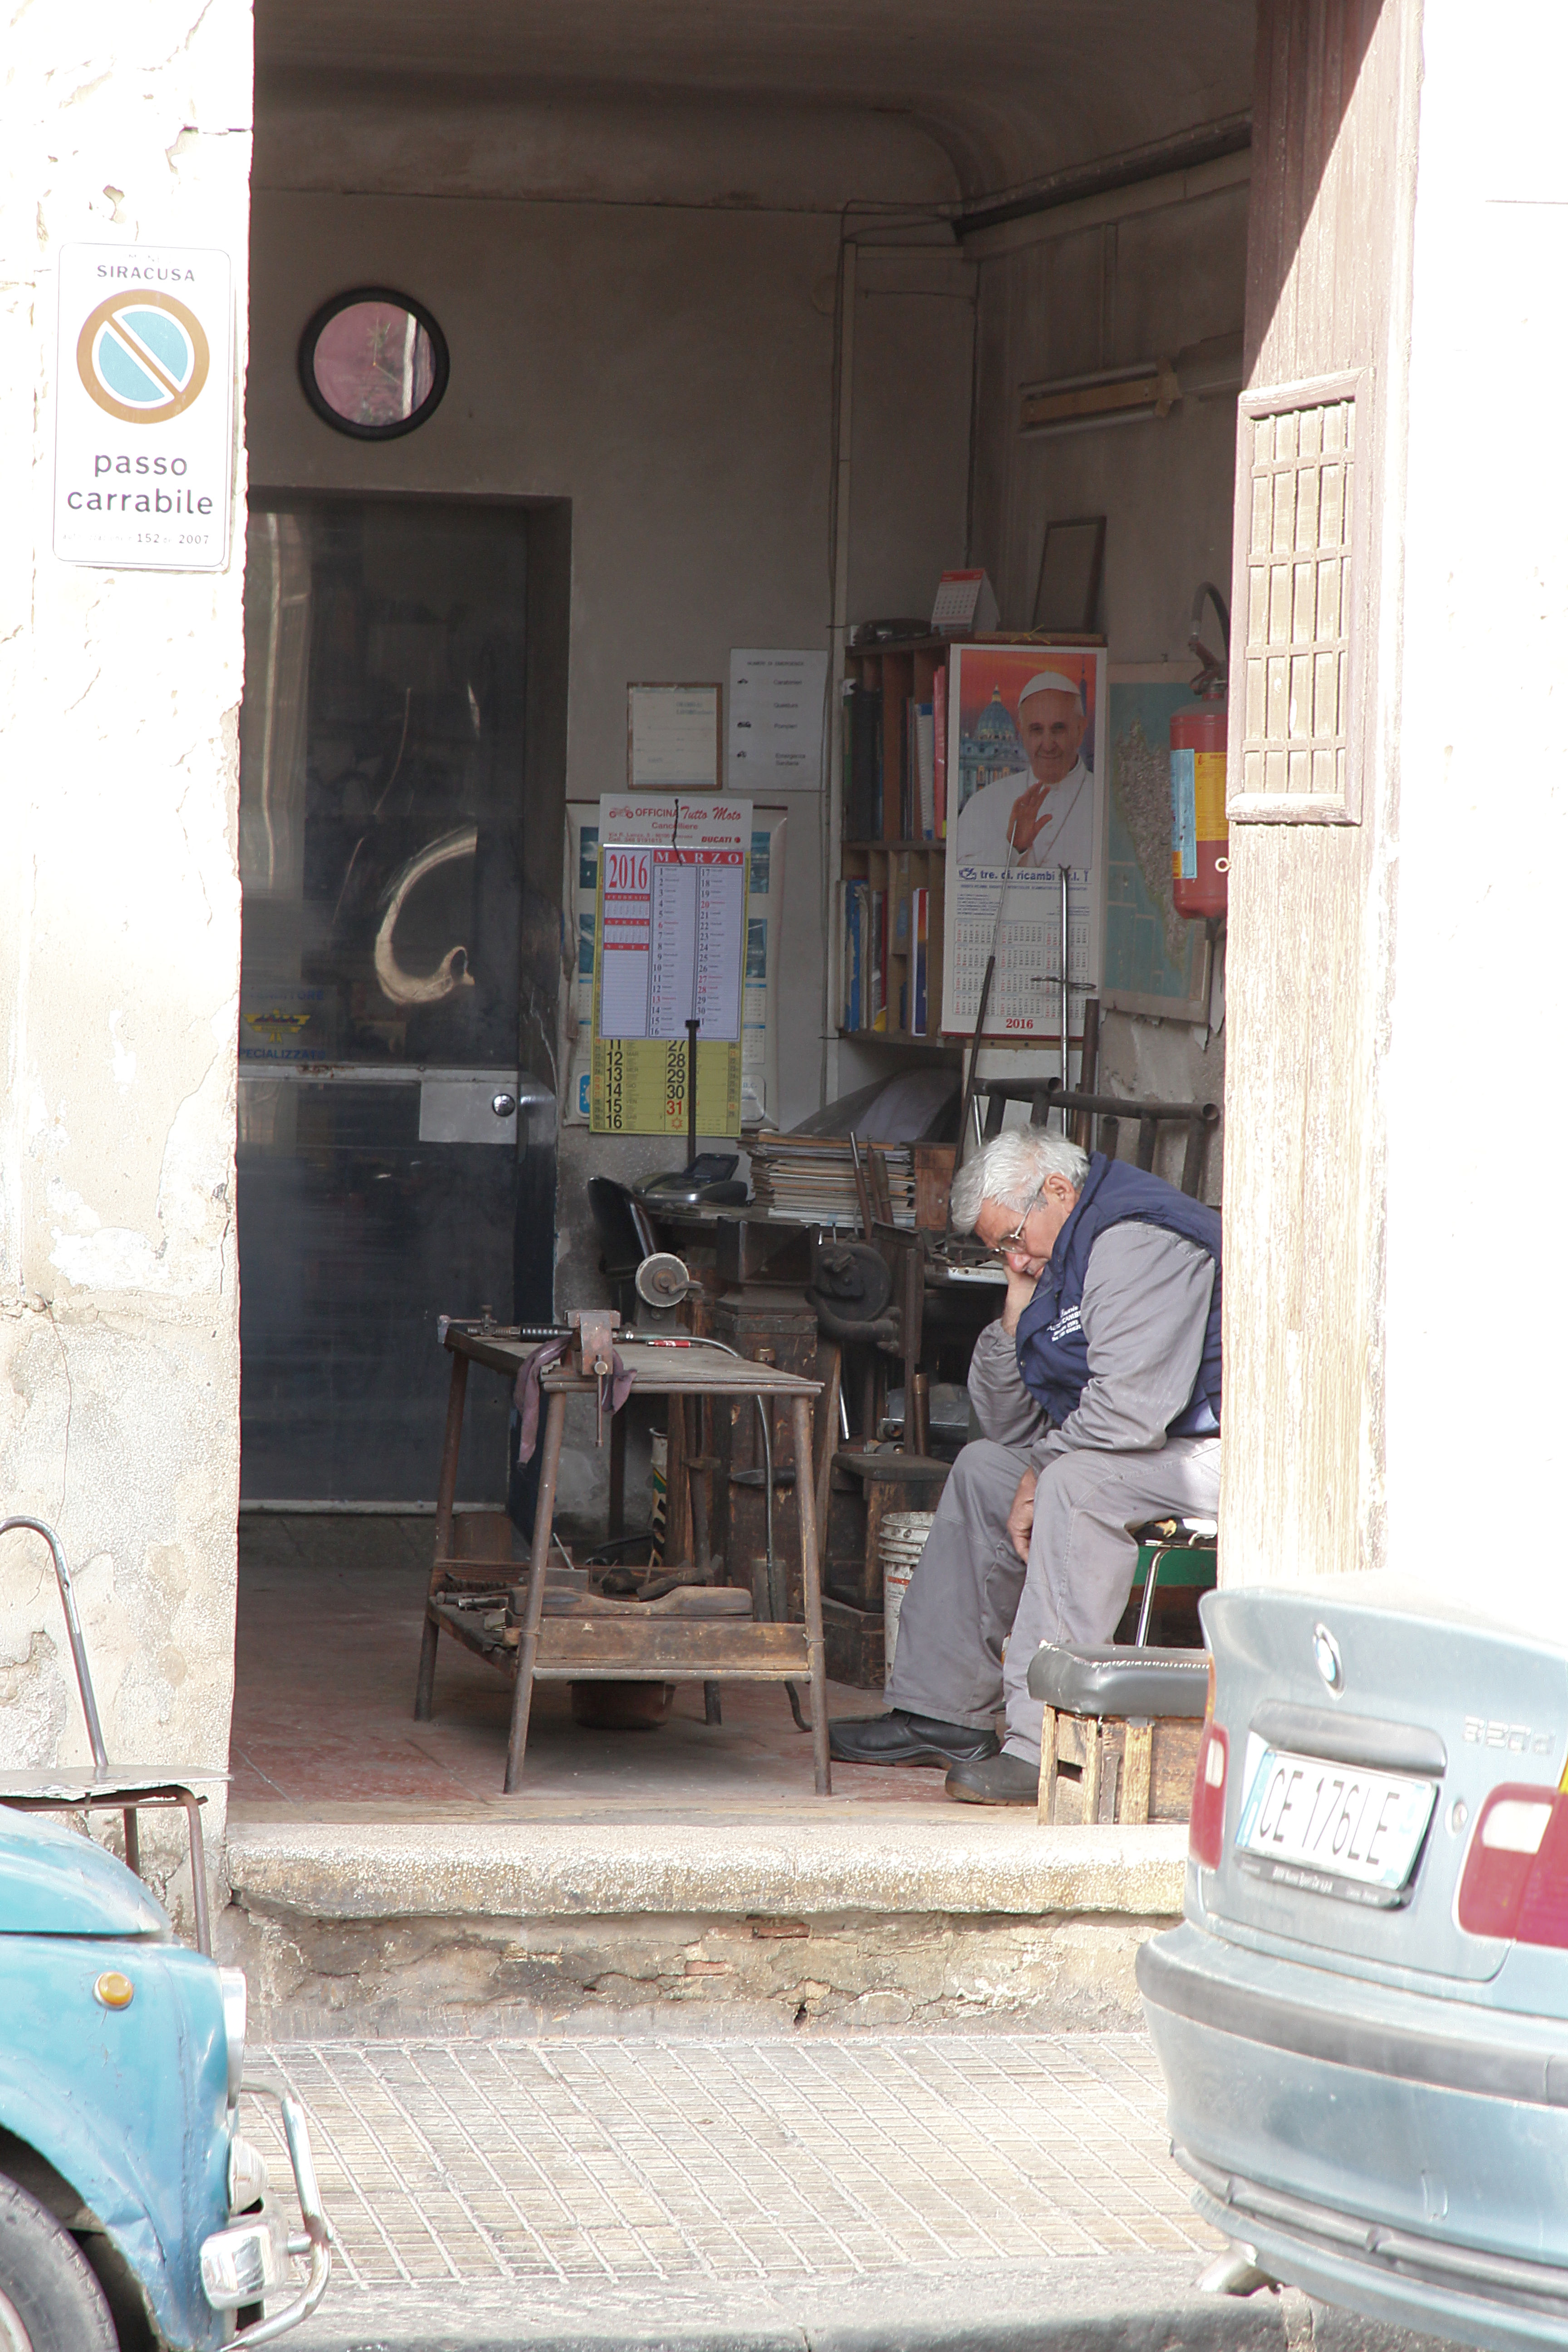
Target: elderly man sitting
{"x":1099,"y":1392}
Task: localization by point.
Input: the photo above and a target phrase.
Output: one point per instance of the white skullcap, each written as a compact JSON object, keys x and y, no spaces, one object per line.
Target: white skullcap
{"x":1052,"y":681}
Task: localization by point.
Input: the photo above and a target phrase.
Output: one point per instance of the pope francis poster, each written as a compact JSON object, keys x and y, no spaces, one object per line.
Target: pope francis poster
{"x":1027,"y":805}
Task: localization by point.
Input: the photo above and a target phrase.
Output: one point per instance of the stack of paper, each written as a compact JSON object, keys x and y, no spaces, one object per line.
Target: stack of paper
{"x":811,"y":1179}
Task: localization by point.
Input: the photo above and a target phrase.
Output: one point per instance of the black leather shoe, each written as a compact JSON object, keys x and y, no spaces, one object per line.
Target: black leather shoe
{"x":995,"y":1780}
{"x":901,"y":1738}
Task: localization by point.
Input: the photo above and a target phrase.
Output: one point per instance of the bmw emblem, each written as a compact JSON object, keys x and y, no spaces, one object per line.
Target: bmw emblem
{"x":1325,"y":1650}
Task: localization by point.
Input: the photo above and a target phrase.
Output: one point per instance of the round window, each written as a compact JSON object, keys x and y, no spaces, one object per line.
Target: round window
{"x":373,"y":363}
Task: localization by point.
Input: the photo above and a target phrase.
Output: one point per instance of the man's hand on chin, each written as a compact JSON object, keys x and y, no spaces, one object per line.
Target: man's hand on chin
{"x":1021,"y":1518}
{"x":1020,"y":1290}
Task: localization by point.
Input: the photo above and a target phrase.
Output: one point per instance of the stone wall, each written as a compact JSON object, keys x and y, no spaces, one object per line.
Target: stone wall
{"x":687,"y":1972}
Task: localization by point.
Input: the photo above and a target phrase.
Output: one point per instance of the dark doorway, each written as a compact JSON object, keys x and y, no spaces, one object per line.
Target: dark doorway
{"x":383,"y":1128}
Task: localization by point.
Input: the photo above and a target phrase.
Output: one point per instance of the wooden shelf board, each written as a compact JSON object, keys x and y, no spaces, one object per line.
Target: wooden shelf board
{"x":899,"y":1037}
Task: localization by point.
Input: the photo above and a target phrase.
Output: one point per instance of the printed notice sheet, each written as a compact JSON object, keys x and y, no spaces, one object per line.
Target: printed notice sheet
{"x":775,"y":719}
{"x":672,"y":738}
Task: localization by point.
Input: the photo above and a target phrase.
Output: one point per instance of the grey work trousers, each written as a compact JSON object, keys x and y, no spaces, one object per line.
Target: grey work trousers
{"x":971,"y":1600}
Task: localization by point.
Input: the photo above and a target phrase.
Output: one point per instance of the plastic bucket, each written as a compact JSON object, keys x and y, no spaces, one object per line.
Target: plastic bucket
{"x":900,"y":1545}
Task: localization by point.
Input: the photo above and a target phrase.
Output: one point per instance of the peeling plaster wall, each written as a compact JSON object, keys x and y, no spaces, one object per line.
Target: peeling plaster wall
{"x":695,"y":1973}
{"x":119,"y":940}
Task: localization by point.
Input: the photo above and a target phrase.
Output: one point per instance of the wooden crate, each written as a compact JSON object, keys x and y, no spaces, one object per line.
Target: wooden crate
{"x":1109,"y":1768}
{"x":933,"y":1182}
{"x":853,"y":1645}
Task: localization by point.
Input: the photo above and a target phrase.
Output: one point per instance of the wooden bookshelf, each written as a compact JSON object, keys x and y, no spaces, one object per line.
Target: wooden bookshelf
{"x":899,"y":868}
{"x":900,"y":675}
{"x":891,"y":862}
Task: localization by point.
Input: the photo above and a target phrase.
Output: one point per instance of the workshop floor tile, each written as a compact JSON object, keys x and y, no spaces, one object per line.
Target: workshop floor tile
{"x":329,"y":1621}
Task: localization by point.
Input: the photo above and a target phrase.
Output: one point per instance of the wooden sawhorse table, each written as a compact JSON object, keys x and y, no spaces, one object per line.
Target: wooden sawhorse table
{"x":622,"y":1648}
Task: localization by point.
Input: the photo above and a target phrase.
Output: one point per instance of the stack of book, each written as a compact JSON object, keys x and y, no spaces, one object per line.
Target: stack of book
{"x":920,"y":956}
{"x":811,"y":1179}
{"x":918,"y":806}
{"x":866,"y":995}
{"x":862,"y":762}
{"x":865,"y":990}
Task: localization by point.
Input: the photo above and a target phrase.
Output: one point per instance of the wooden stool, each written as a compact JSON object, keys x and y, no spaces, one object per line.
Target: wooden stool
{"x":1120,"y":1741}
{"x":1175,"y":1555}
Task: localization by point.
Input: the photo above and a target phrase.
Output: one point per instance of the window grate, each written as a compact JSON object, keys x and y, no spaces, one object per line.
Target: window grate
{"x":1299,"y":496}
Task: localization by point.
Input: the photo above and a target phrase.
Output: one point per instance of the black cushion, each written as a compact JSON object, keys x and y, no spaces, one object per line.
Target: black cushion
{"x":1120,"y":1681}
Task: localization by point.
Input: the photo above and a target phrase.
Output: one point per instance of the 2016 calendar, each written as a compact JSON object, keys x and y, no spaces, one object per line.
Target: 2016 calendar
{"x":672,"y":930}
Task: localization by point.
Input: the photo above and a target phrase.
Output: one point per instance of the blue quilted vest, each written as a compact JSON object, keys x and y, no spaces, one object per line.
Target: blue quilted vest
{"x":1053,"y":1355}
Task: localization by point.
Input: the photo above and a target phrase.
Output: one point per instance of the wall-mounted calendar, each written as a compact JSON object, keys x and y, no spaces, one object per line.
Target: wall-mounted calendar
{"x":670,"y":925}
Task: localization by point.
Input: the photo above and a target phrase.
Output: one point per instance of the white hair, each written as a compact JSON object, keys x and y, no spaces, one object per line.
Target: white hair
{"x":1010,"y":1170}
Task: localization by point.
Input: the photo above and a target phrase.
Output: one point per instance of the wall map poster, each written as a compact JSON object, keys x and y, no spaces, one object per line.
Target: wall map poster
{"x":1026,"y":765}
{"x":1157,"y":961}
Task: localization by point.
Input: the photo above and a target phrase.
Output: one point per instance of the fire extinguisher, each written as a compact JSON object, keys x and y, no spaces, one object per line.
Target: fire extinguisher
{"x":1200,"y":838}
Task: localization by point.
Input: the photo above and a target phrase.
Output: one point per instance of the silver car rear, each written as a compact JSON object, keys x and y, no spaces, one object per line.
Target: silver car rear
{"x":1369,"y":2093}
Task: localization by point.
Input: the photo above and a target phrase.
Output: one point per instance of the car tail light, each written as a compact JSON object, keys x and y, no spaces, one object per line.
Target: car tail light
{"x":1205,"y":1829}
{"x":1515,"y":1882}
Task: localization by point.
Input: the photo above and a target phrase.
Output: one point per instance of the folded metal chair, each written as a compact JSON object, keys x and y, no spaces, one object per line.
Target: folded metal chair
{"x":127,"y":1790}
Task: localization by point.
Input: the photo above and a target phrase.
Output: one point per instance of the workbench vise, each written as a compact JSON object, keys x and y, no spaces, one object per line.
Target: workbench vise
{"x":596,"y":1342}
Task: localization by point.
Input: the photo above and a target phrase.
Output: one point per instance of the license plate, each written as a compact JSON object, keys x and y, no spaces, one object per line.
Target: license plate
{"x":1332,"y":1829}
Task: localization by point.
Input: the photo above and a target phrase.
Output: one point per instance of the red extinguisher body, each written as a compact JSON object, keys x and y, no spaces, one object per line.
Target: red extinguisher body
{"x":1200,"y":838}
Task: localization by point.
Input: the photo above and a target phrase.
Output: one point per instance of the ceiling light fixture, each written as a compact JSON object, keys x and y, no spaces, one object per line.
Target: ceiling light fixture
{"x":1069,"y":403}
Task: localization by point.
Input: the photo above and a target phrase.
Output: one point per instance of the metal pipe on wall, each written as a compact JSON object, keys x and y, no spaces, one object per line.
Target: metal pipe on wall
{"x":833,"y":798}
{"x":1065,"y":999}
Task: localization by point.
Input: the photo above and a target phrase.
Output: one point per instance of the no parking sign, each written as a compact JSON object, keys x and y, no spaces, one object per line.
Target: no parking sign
{"x":144,"y":432}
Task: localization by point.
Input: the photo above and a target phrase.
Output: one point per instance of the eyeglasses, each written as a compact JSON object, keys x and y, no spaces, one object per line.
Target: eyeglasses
{"x":1015,"y":1240}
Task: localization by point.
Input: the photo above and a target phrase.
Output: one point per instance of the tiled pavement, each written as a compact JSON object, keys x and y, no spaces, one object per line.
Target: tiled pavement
{"x":605,"y":2170}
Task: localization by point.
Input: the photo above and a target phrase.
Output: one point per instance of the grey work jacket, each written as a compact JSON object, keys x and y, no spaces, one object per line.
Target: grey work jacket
{"x":1146,"y":1311}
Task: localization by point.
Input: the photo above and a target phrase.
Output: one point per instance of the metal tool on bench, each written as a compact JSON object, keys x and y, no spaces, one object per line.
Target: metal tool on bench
{"x":122,"y":1789}
{"x":851,"y":1290}
{"x":594,"y":1330}
{"x":663,"y":1280}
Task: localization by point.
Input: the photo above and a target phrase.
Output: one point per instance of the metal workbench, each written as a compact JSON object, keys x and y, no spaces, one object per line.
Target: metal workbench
{"x":634,"y":1644}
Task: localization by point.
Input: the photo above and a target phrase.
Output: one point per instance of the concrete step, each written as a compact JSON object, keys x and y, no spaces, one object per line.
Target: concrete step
{"x":497,"y":1918}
